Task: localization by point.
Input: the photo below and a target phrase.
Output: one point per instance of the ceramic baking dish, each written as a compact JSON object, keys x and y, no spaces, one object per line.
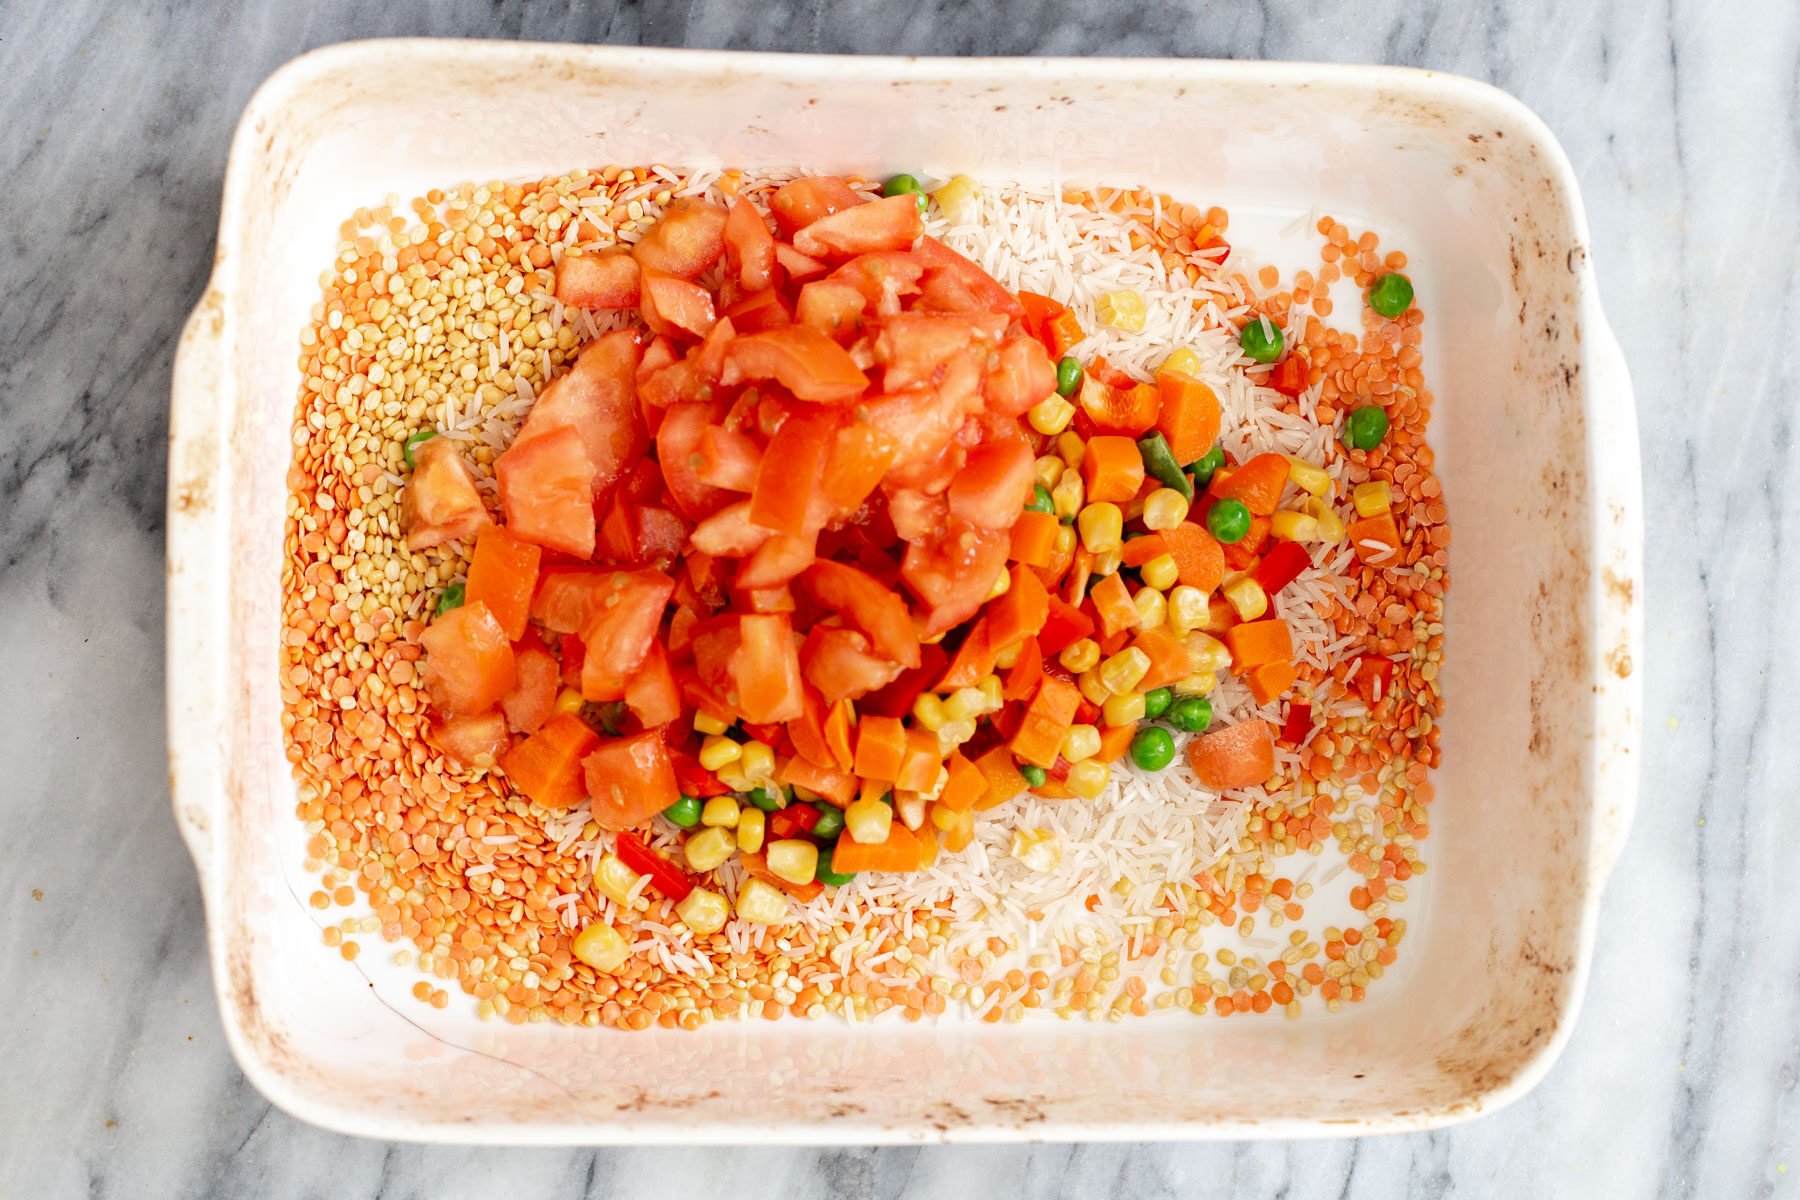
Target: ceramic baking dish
{"x":1537,"y":444}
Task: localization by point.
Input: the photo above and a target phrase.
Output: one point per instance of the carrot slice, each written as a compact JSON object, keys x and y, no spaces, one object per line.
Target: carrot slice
{"x":1112,"y":468}
{"x":1199,"y":560}
{"x":1046,"y":722}
{"x":1236,"y":756}
{"x":1270,"y":680}
{"x":966,"y":784}
{"x":880,"y":748}
{"x":1112,"y":604}
{"x":1188,"y":417}
{"x":1169,"y":658}
{"x":902,"y":851}
{"x":1034,"y":538}
{"x":1027,"y":670}
{"x":1255,"y":643}
{"x":837,"y":735}
{"x":839,"y":787}
{"x":974,"y":659}
{"x":1140,"y":550}
{"x":1115,"y":740}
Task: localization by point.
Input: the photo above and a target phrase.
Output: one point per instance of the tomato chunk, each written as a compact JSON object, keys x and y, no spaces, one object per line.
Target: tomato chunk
{"x":766,"y":669}
{"x":841,"y":664}
{"x":607,"y":279}
{"x":597,"y":397}
{"x":801,"y":359}
{"x":832,"y":307}
{"x":503,"y":575}
{"x":891,"y":223}
{"x":729,"y":533}
{"x":800,"y":202}
{"x":791,"y":475}
{"x":988,"y":293}
{"x":672,"y":305}
{"x":547,"y":765}
{"x":686,"y":239}
{"x":532,"y":699}
{"x":547,"y":491}
{"x":629,"y":780}
{"x":468,"y":661}
{"x":678,"y":445}
{"x":869,"y":605}
{"x":622,"y":626}
{"x":476,"y":742}
{"x":994,"y":483}
{"x":441,"y":503}
{"x":777,"y":561}
{"x":749,"y":247}
{"x":953,"y":577}
{"x":651,"y":693}
{"x":1022,"y":377}
{"x":883,"y":278}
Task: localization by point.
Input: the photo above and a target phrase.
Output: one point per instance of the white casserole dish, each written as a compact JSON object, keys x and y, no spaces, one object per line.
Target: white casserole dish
{"x":1537,"y":446}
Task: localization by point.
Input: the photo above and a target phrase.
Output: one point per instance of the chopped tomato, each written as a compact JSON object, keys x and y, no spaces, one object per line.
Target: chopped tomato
{"x":759,"y":311}
{"x":604,"y":279}
{"x":567,"y":596}
{"x":532,"y":699}
{"x":630,"y":780}
{"x":727,"y":459}
{"x":476,"y":742}
{"x":777,"y":561}
{"x":917,"y":348}
{"x":679,"y":442}
{"x":842,"y":665}
{"x":790,"y":478}
{"x":598,"y":398}
{"x":860,"y":456}
{"x":651,"y":693}
{"x":896,"y":699}
{"x":672,"y":305}
{"x":956,"y":575}
{"x":503,"y":574}
{"x":994,"y":483}
{"x":441,"y":503}
{"x":832,"y":307}
{"x":891,"y":223}
{"x":801,"y":359}
{"x":867,"y":604}
{"x":799,"y":203}
{"x":729,"y":533}
{"x":798,"y":267}
{"x":749,"y":247}
{"x":883,"y":278}
{"x":547,"y":765}
{"x":623,"y":625}
{"x":468,"y":660}
{"x":1022,"y":376}
{"x":686,"y":239}
{"x":990,"y":294}
{"x":766,"y":669}
{"x":547,"y":491}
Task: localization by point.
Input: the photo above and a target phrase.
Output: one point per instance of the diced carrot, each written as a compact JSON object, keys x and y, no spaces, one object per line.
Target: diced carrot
{"x":1112,"y":603}
{"x":1188,"y":417}
{"x":1018,"y":614}
{"x":974,"y":659}
{"x":966,"y":784}
{"x":503,"y":574}
{"x":1236,"y":756}
{"x":1046,"y":721}
{"x":839,"y":787}
{"x":837,"y":735}
{"x":1034,"y":538}
{"x":1270,"y":680}
{"x":1022,"y":679}
{"x":1140,"y":550}
{"x":919,"y":767}
{"x":1381,"y":528}
{"x":1002,"y":775}
{"x":1242,"y":554}
{"x":1257,"y":642}
{"x":1112,"y":468}
{"x":1257,"y":483}
{"x":880,"y":747}
{"x":547,"y":765}
{"x":1199,"y":560}
{"x":1062,"y":332}
{"x":902,"y":851}
{"x":1169,"y":658}
{"x":1115,"y":740}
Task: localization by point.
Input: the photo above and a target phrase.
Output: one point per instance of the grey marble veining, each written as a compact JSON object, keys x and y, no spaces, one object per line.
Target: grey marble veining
{"x":1683,"y":122}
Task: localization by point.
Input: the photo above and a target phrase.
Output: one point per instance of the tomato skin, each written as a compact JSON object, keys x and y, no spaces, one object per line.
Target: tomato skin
{"x":801,"y":359}
{"x":868,"y":604}
{"x":624,"y":624}
{"x":598,"y":398}
{"x":441,"y":503}
{"x":688,"y":238}
{"x":532,"y":699}
{"x":994,"y":483}
{"x":606,"y":280}
{"x":954,"y":577}
{"x":469,"y":661}
{"x":629,"y":780}
{"x":891,"y":223}
{"x":800,"y":202}
{"x":1022,"y":377}
{"x":749,"y":247}
{"x":475,"y":742}
{"x":547,"y":491}
{"x":841,"y":664}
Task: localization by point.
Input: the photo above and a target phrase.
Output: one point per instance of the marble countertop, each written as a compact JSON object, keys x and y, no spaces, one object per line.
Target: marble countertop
{"x":1680,"y":1078}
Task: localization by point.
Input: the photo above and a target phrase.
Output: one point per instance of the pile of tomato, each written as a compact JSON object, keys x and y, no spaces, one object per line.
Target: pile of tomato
{"x":790,"y":540}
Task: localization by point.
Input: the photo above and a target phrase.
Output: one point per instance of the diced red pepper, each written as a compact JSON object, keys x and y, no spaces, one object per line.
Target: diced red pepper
{"x":1281,"y":566}
{"x":1298,"y":724}
{"x":664,"y":875}
{"x":796,"y":820}
{"x":694,"y":779}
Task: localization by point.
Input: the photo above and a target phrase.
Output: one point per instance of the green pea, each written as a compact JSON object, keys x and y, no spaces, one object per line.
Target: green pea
{"x":1068,"y":375}
{"x":414,"y":442}
{"x":1040,"y":500}
{"x":685,"y":812}
{"x":906,"y":185}
{"x":1391,"y":295}
{"x":1157,"y":701}
{"x":1260,"y":346}
{"x":1365,"y":427}
{"x":1228,"y":521}
{"x":1191,"y":714}
{"x":1207,"y":465}
{"x":825,"y":875}
{"x":764,"y":799}
{"x":831,"y":822}
{"x":1035,"y":776}
{"x":452,"y":598}
{"x":1153,"y":748}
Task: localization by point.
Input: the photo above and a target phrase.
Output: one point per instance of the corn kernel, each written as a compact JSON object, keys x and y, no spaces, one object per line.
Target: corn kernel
{"x":717,"y":751}
{"x":1038,"y":849}
{"x":1123,"y":309}
{"x":721,"y":811}
{"x":1005,"y":659}
{"x":1072,"y":449}
{"x":1165,"y":508}
{"x":1107,"y":562}
{"x":1182,"y":362}
{"x":704,"y":911}
{"x":965,"y":704}
{"x":752,"y":826}
{"x":993,"y":693}
{"x":1080,"y":743}
{"x":569,"y":702}
{"x":943,"y":816}
{"x":1067,"y":495}
{"x":794,"y":859}
{"x":1051,"y":415}
{"x":1187,"y":608}
{"x":1247,"y":598}
{"x":1207,"y":653}
{"x":1065,"y":540}
{"x":1048,"y":470}
{"x":1081,"y":655}
{"x":1331,"y":526}
{"x":928,"y":711}
{"x":959,"y":831}
{"x":757,"y":762}
{"x":761,"y":903}
{"x":709,"y":848}
{"x":1307,"y":477}
{"x":909,"y":807}
{"x":1093,"y":689}
{"x":1372,"y":498}
{"x":1002,"y":584}
{"x":705,"y":723}
{"x":1294,"y":526}
{"x":1088,"y":779}
{"x":1200,"y":683}
{"x":1102,"y":527}
{"x":1124,"y":670}
{"x":1152,"y":608}
{"x":1161,"y":572}
{"x":954,"y":734}
{"x":614,"y":880}
{"x":1123,"y":710}
{"x":601,"y":947}
{"x":868,"y":821}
